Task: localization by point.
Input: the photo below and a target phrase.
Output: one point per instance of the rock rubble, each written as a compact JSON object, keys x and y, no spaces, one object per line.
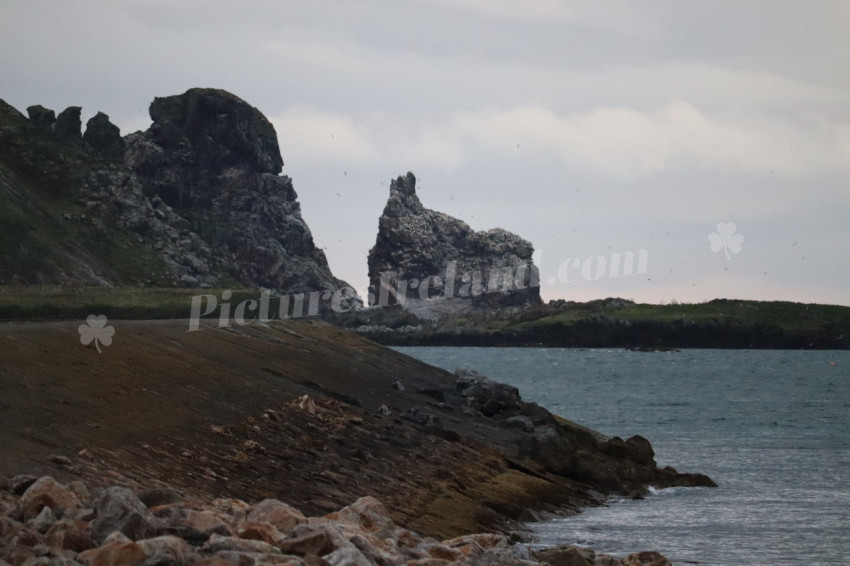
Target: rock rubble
{"x":48,"y":525}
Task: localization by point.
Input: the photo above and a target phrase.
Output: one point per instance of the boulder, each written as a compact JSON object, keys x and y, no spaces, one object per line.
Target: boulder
{"x":114,"y":554}
{"x":63,"y":461}
{"x":484,"y":540}
{"x":215,"y":561}
{"x":561,"y":556}
{"x":235,"y":508}
{"x":282,"y":516}
{"x":118,"y":509}
{"x":115,"y":536}
{"x":428,"y":562}
{"x":349,"y":556}
{"x":80,"y":490}
{"x":502,"y":557}
{"x":311,"y":540}
{"x":43,"y":521}
{"x":366,"y":512}
{"x":382,"y":551}
{"x":669,"y":477}
{"x":167,"y":551}
{"x":440,"y":551}
{"x":606,"y":560}
{"x":46,"y":492}
{"x":160,"y":496}
{"x":406,"y":538}
{"x":217,"y":543}
{"x":8,"y":527}
{"x":522,"y":551}
{"x":70,"y":535}
{"x":646,"y":558}
{"x":259,"y":530}
{"x":195,"y":526}
{"x":17,"y":556}
{"x":208,"y":522}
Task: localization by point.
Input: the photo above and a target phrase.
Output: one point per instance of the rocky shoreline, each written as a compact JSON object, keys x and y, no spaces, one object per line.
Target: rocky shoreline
{"x":306,"y":413}
{"x":43,"y":522}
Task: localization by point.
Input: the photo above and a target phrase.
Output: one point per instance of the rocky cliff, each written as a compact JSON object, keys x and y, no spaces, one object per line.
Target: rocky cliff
{"x":196,"y":200}
{"x":431,"y":262}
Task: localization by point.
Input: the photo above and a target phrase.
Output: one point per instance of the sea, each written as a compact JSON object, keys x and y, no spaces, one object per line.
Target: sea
{"x":770,"y":427}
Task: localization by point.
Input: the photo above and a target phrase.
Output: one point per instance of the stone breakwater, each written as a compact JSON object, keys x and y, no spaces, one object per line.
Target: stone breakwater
{"x":45,"y":522}
{"x":297,"y":411}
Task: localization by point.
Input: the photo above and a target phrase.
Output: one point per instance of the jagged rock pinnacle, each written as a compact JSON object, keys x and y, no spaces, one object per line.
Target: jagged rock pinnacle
{"x":421,"y":254}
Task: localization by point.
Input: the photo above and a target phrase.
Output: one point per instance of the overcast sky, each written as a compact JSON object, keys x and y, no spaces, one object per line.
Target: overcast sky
{"x":588,"y":128}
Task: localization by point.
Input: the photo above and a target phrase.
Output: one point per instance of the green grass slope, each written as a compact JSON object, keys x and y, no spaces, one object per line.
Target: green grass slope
{"x":49,"y":234}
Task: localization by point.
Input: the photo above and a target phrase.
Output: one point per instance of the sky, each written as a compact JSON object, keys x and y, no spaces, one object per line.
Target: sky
{"x":711,"y":137}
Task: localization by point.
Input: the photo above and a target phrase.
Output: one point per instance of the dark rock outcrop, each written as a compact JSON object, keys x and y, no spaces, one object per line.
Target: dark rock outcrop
{"x":421,"y":255}
{"x":215,"y":130}
{"x":197,"y":200}
{"x":69,"y":125}
{"x":568,"y":449}
{"x":41,"y":117}
{"x":490,"y":397}
{"x":104,"y":137}
{"x":205,"y":177}
{"x":65,"y":127}
{"x":118,"y":509}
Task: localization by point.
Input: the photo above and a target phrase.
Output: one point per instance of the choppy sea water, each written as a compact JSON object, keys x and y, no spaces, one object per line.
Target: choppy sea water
{"x":772,"y":428}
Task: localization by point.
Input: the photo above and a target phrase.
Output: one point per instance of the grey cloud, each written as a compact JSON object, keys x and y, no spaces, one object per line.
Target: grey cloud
{"x":739,"y":111}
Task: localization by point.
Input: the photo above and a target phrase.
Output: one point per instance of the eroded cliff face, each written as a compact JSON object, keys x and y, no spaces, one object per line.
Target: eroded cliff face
{"x":214,"y":161}
{"x":197,"y":199}
{"x":430,"y":261}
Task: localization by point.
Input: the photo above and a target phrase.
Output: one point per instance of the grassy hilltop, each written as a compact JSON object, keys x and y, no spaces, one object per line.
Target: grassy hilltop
{"x":721,"y":323}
